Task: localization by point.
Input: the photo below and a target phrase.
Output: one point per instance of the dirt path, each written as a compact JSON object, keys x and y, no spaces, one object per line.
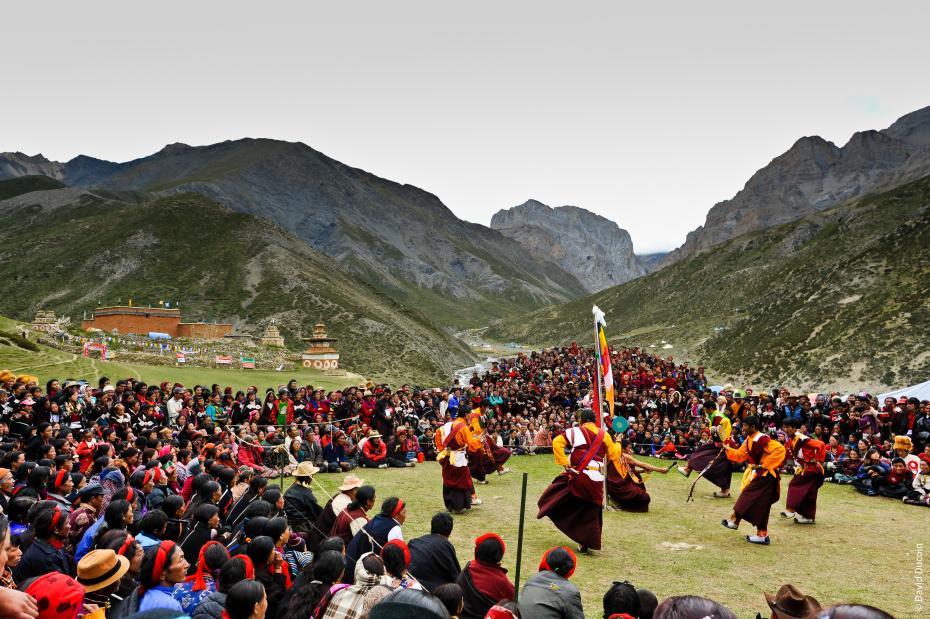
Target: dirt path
{"x":45,"y":365}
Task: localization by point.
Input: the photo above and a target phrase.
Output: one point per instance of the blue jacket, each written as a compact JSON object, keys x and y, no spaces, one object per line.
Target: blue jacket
{"x":792,"y":413}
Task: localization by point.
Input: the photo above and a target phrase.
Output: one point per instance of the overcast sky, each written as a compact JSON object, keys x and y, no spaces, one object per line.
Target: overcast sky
{"x":647,"y":114}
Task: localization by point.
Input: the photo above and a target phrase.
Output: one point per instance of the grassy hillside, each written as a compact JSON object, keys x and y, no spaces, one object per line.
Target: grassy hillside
{"x":27,"y":184}
{"x":840,"y":298}
{"x":214,"y":264}
{"x":401,"y":240}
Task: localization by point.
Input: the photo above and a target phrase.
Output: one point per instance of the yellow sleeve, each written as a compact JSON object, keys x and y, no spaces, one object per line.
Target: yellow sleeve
{"x":773,"y":455}
{"x":738,"y":454}
{"x":614,"y":451}
{"x":475,"y":423}
{"x":724,"y":429}
{"x":558,"y":450}
{"x":467,"y":438}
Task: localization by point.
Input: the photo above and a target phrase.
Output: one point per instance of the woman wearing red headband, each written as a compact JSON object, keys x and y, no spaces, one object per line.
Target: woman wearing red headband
{"x":47,"y":552}
{"x":60,"y":485}
{"x":163,"y":567}
{"x":199,"y":585}
{"x":379,"y":531}
{"x":548,"y":594}
{"x":483,"y":581}
{"x":396,"y":557}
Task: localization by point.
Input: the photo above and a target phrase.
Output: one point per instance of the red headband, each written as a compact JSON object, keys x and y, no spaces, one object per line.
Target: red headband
{"x":544,"y":564}
{"x":55,"y":518}
{"x":164,"y":551}
{"x":129,"y":494}
{"x":249,"y":566}
{"x":202,"y":568}
{"x":488,"y":536}
{"x":129,"y":541}
{"x":400,"y":544}
{"x":59,"y":479}
{"x":151,"y":475}
{"x":398,"y":509}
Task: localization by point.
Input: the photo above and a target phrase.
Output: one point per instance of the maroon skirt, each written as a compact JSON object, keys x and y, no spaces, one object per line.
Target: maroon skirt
{"x":581,"y":520}
{"x":720,"y":473}
{"x":755,"y":501}
{"x":501,"y":455}
{"x":626,"y":493}
{"x":802,"y":493}
{"x":480,"y":464}
{"x":456,"y":476}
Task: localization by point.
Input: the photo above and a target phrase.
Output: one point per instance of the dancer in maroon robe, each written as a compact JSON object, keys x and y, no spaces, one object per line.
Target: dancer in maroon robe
{"x":625,"y":485}
{"x":453,"y":440}
{"x":761,"y":483}
{"x":488,"y":458}
{"x":574,"y":500}
{"x":808,"y":455}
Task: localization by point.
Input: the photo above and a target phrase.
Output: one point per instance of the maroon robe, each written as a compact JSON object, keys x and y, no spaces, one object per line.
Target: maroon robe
{"x":457,"y":486}
{"x":756,"y":499}
{"x":573,"y":501}
{"x":805,"y":485}
{"x":629,"y":495}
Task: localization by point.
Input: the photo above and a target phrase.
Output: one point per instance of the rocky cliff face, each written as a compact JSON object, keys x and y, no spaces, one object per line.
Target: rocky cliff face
{"x":815,"y":174}
{"x":398,"y":238}
{"x":590,"y":247}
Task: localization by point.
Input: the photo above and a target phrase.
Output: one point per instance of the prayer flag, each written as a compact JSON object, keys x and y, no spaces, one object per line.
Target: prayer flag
{"x":248,"y":363}
{"x":604,"y":371}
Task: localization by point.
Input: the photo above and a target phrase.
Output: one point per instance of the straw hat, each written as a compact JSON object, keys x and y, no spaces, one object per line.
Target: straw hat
{"x":306,"y":469}
{"x":351,"y":482}
{"x":100,"y":568}
{"x":789,"y":603}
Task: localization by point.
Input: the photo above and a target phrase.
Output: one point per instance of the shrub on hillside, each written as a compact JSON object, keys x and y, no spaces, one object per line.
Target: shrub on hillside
{"x":19,"y":340}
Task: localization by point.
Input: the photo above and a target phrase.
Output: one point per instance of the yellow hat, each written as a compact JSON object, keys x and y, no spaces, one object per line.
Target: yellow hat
{"x":28,"y":378}
{"x":903,"y":442}
{"x":6,"y":375}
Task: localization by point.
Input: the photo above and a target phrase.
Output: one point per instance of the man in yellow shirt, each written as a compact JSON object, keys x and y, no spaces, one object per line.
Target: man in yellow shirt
{"x":761,"y":482}
{"x":453,"y":442}
{"x":575,"y":498}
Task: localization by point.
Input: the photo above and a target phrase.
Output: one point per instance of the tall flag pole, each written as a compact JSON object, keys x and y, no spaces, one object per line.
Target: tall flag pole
{"x":605,"y":376}
{"x":605,"y":385}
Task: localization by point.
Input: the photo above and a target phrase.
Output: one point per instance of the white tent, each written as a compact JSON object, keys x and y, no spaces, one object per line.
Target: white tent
{"x":920,"y":391}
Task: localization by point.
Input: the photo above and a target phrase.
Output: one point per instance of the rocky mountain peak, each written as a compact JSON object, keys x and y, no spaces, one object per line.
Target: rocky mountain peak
{"x":913,"y":128}
{"x":815,"y":174}
{"x":592,"y":248}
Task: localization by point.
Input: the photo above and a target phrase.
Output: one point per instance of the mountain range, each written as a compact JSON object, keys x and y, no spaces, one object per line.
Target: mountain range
{"x":592,"y":248}
{"x":60,"y":250}
{"x":346,"y":243}
{"x":399,"y":239}
{"x":839,"y":299}
{"x":813,"y":175}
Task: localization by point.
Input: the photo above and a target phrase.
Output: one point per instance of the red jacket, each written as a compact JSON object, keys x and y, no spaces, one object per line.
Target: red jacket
{"x":251,"y":457}
{"x":85,"y":454}
{"x":375,"y":453}
{"x":290,"y":410}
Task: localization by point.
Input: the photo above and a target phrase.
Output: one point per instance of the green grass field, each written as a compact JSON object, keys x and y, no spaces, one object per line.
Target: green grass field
{"x":52,"y":363}
{"x":861,"y":549}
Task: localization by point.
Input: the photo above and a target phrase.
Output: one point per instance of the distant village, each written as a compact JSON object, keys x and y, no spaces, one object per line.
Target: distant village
{"x":159,"y":336}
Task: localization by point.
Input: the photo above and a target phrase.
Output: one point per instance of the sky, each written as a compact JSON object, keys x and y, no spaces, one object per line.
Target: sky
{"x":646,"y":113}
